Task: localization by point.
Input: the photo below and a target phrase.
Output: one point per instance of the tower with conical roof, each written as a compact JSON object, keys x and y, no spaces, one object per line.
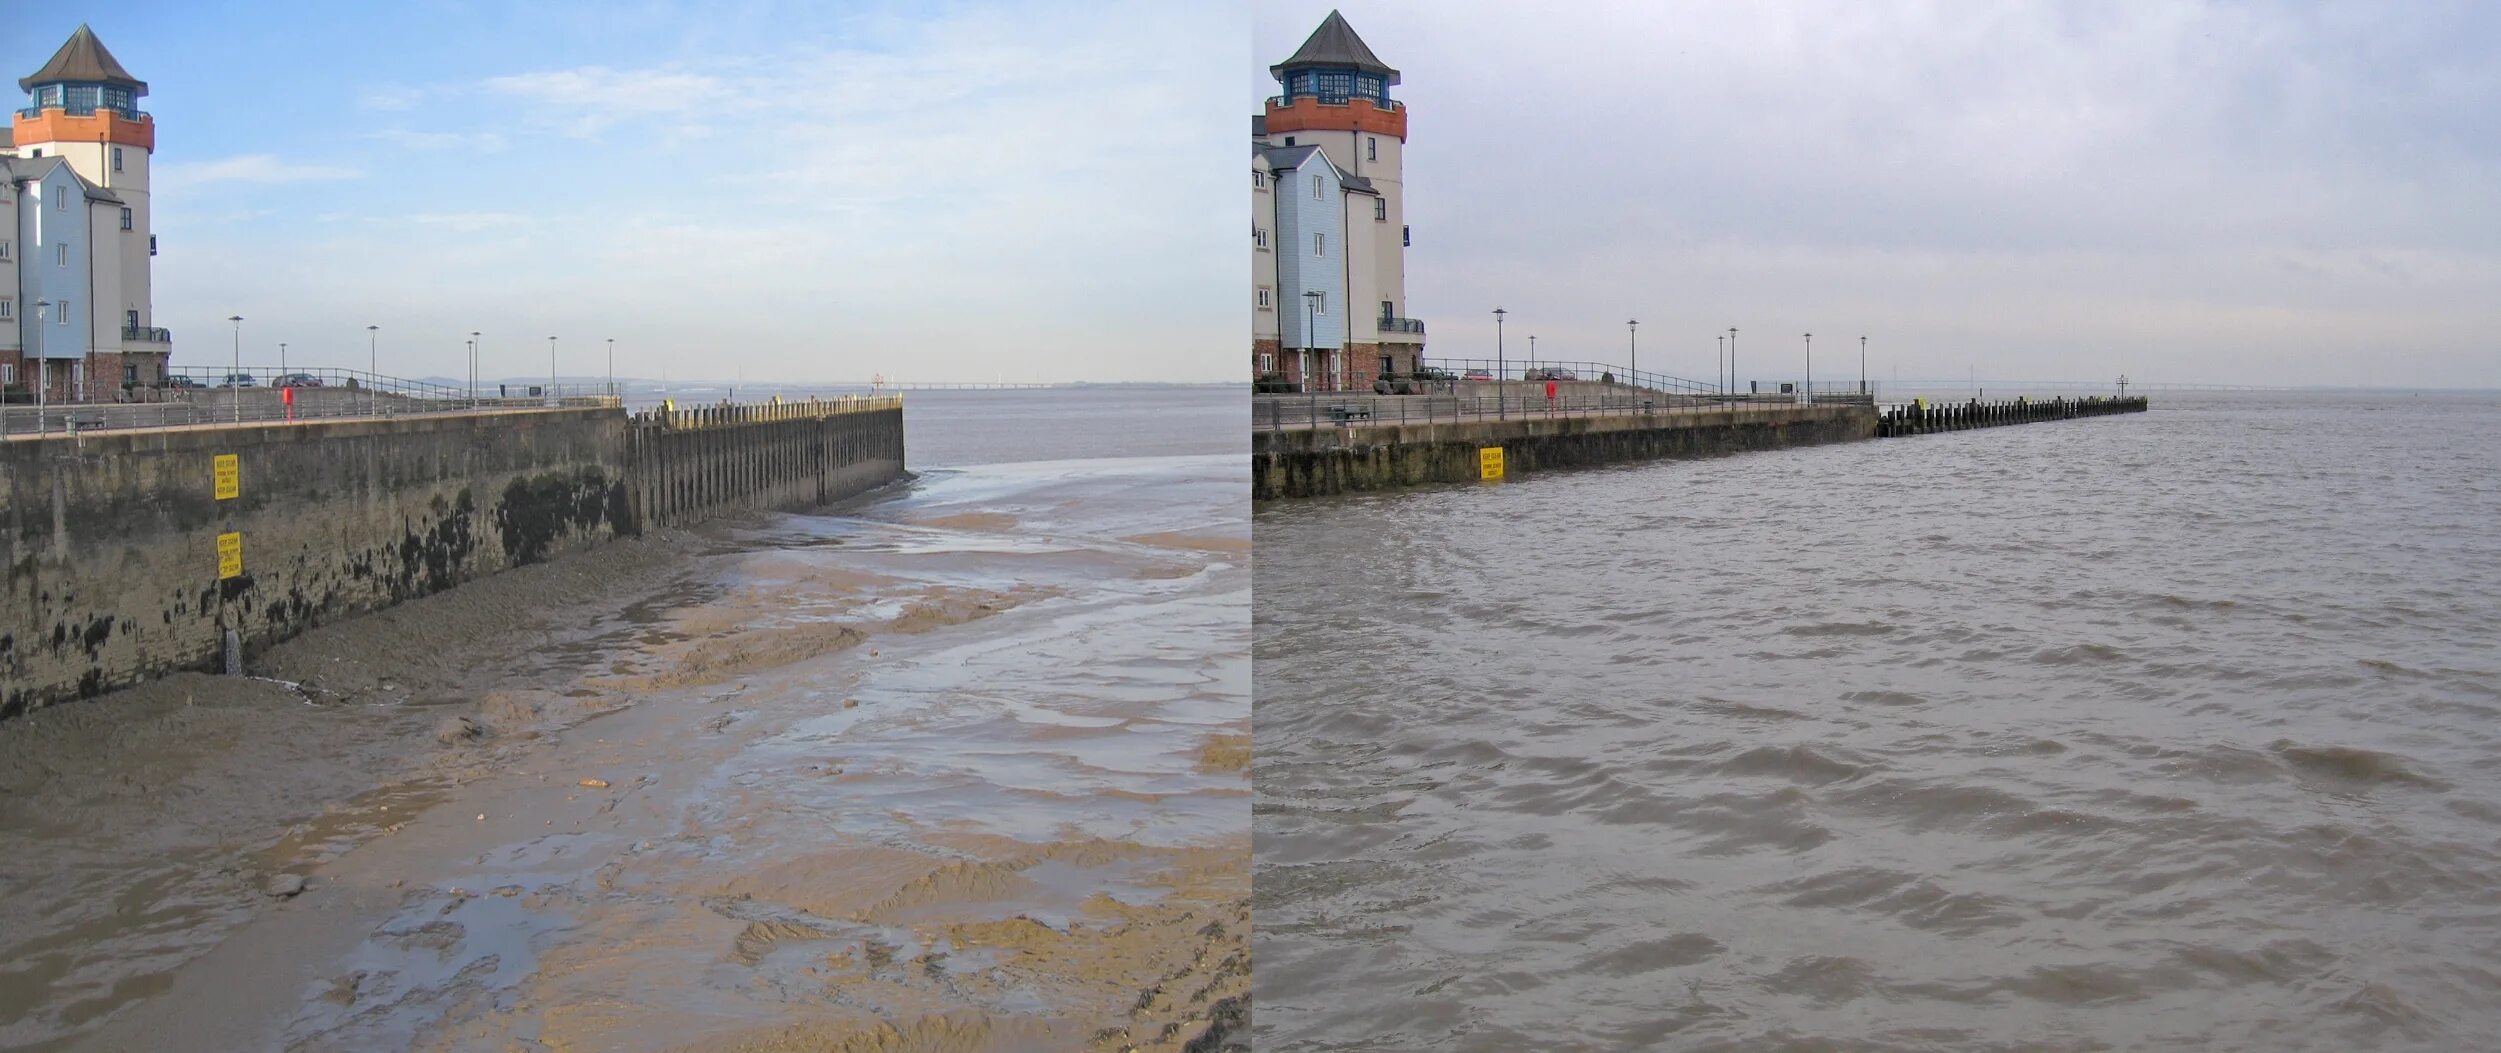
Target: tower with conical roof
{"x":1334,"y":94}
{"x":83,"y":108}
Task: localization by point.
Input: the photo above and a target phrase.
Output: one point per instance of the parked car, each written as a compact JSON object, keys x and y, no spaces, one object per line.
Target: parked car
{"x":298,"y":380}
{"x":1549,"y":373}
{"x":179,"y":380}
{"x":237,"y":380}
{"x":1477,"y":374}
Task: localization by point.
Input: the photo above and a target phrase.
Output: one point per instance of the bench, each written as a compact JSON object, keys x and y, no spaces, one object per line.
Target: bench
{"x":1344,"y":414}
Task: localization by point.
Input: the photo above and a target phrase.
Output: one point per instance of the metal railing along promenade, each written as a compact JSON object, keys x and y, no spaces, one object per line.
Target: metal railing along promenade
{"x":1538,"y":371}
{"x":206,"y":397}
{"x":1327,"y":410}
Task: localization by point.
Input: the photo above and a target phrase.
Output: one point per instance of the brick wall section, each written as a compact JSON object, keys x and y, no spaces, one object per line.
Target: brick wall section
{"x":111,"y":538}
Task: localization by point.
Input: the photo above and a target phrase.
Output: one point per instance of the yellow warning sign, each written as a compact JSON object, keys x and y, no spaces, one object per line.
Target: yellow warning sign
{"x":229,"y":476}
{"x":1489,"y":463}
{"x":229,"y":556}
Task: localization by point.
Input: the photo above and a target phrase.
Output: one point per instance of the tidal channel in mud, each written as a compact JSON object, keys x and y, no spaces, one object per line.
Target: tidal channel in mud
{"x":960,"y":766}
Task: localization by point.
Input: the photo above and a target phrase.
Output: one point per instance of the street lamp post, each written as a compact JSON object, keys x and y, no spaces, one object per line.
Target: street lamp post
{"x":1810,"y":369}
{"x":1499,"y":410}
{"x":2123,"y":385}
{"x":551,"y":372}
{"x":473,"y":369}
{"x":282,"y":360}
{"x":1732,"y":359}
{"x":612,"y":367}
{"x":373,"y":366}
{"x":1719,"y":359}
{"x":1632,"y":336}
{"x":1862,"y":365}
{"x":233,"y":383}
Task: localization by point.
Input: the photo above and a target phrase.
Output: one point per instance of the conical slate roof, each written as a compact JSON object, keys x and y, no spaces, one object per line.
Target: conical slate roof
{"x":83,"y":59}
{"x":1335,"y":44}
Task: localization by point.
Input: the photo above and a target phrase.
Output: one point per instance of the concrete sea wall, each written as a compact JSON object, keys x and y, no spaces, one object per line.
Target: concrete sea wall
{"x":123,"y":559}
{"x":1314,"y":462}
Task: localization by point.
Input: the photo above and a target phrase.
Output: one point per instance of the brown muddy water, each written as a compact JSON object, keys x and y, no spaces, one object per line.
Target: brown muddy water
{"x":2173,"y":731}
{"x":960,"y":766}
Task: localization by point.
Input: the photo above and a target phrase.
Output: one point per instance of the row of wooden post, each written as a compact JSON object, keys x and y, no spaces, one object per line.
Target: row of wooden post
{"x":675,"y":418}
{"x":1922,"y":417}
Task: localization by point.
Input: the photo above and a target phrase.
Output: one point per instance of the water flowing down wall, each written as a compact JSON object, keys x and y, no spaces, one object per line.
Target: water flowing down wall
{"x":125,"y":562}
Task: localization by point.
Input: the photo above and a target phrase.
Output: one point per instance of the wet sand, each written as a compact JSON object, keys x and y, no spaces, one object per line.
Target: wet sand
{"x":962,"y":767}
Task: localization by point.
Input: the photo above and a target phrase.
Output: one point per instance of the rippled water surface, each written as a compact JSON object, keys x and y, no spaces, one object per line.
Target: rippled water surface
{"x":2174,"y":731}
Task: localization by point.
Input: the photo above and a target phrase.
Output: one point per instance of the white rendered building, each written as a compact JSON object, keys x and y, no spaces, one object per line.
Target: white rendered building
{"x":75,"y":251}
{"x":1328,"y":221}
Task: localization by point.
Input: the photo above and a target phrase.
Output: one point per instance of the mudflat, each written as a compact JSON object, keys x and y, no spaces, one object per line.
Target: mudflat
{"x":960,"y":766}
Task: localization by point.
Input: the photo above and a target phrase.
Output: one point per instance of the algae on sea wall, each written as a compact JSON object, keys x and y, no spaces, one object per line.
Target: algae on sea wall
{"x":539,"y":510}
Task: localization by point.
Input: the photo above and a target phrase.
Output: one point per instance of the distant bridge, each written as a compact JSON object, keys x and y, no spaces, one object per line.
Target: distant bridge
{"x":956,"y":385}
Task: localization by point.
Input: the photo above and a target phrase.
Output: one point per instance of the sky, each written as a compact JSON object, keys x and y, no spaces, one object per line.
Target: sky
{"x":966,"y":191}
{"x":2226,"y":192}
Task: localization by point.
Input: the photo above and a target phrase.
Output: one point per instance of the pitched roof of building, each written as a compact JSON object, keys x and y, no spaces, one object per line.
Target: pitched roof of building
{"x":1288,"y":158}
{"x":84,"y":59}
{"x":1335,"y":44}
{"x":35,"y":169}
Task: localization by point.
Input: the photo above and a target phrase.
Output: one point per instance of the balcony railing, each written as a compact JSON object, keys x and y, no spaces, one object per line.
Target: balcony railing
{"x":32,"y":112}
{"x":1281,"y":101}
{"x":1402,"y":325}
{"x":147,"y":334}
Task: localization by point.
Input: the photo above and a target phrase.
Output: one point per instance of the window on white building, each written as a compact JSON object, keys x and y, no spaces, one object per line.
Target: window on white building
{"x":1259,"y":237}
{"x":125,"y":218}
{"x":8,"y":372}
{"x":117,"y":159}
{"x":1264,"y":303}
{"x":1388,"y":311}
{"x":1259,"y":179}
{"x":62,"y":250}
{"x":1380,"y":210}
{"x":60,"y":203}
{"x":1371,"y":149}
{"x":4,"y":248}
{"x":1319,"y":244}
{"x":1320,"y":303}
{"x":8,"y":308}
{"x":63,"y":313}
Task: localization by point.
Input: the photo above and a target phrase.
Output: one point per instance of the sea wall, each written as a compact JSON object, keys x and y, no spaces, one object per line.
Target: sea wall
{"x":116,"y":571}
{"x":1314,"y":462}
{"x":1924,"y":417}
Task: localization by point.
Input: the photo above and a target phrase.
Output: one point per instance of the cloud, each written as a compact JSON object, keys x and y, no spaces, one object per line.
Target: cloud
{"x":481,"y":142}
{"x":248,"y":168}
{"x":590,"y":99}
{"x":2070,"y":186}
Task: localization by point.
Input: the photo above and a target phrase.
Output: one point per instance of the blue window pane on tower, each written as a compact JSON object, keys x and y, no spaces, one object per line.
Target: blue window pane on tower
{"x":1335,"y":86}
{"x":82,"y":98}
